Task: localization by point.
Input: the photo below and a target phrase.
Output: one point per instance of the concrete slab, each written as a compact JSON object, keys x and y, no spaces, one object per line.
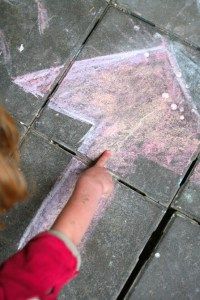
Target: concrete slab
{"x":181,"y":18}
{"x":42,"y":163}
{"x":132,"y":90}
{"x":114,"y":246}
{"x":37,"y":35}
{"x":173,"y":270}
{"x":122,"y":224}
{"x":66,"y":131}
{"x":188,"y":201}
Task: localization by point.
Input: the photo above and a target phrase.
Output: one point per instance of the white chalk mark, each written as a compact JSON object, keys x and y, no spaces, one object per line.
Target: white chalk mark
{"x":136,"y":27}
{"x":178,"y":74}
{"x":182,"y":117}
{"x":165,"y":95}
{"x":174,"y":106}
{"x":43,"y":19}
{"x":21,"y":48}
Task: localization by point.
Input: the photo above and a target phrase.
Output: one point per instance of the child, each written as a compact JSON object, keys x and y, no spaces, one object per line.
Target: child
{"x":51,"y":259}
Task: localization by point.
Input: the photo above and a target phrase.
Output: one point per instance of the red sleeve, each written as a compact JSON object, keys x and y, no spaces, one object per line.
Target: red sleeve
{"x":40,"y":270}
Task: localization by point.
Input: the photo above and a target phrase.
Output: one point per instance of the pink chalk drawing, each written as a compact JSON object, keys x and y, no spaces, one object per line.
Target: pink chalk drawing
{"x":43,"y":19}
{"x":137,"y":104}
{"x":38,"y":83}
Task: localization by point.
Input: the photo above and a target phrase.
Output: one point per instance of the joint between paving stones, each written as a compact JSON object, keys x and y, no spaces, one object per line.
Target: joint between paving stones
{"x":147,"y":251}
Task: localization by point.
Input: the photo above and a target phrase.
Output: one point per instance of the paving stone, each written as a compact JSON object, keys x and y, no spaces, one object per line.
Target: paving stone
{"x":42,"y":163}
{"x":113,"y":248}
{"x":67,"y":131}
{"x":122,"y":224}
{"x":179,"y":17}
{"x":35,"y":36}
{"x":173,"y":270}
{"x":188,"y":201}
{"x":132,"y":90}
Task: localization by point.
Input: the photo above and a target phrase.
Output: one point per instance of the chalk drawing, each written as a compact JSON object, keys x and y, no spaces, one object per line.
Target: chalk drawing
{"x":43,"y":19}
{"x":39,"y":82}
{"x":130,"y":99}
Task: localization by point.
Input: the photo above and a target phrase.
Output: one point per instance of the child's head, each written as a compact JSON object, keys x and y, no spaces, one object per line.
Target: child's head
{"x":12,"y":183}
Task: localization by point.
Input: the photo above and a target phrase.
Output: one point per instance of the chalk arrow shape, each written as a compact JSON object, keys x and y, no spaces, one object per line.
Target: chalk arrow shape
{"x":137,"y":103}
{"x":129,"y":98}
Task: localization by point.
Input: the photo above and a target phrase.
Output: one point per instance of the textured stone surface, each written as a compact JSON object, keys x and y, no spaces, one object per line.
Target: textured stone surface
{"x":22,"y":129}
{"x":173,"y":270}
{"x":181,"y":17}
{"x":42,"y":163}
{"x":189,"y":63}
{"x":112,"y":248}
{"x":188,"y":200}
{"x":66,"y":131}
{"x":37,"y":35}
{"x":131,"y":89}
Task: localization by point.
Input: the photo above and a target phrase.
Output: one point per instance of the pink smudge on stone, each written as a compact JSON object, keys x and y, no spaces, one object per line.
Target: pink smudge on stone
{"x":38,"y":82}
{"x":43,"y":19}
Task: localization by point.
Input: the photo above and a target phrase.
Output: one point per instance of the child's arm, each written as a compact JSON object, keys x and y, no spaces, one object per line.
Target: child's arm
{"x":92,"y":185}
{"x":49,"y":261}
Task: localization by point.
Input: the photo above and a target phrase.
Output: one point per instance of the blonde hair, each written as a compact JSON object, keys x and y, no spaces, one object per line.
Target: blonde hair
{"x":12,"y":184}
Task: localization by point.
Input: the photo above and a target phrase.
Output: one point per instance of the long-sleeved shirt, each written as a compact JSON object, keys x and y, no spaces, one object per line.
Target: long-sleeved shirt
{"x":40,"y":269}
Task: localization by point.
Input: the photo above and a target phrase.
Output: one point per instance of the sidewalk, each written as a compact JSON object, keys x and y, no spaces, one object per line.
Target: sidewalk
{"x":83,"y":76}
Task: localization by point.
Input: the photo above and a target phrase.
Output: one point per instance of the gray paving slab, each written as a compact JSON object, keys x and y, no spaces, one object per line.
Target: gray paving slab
{"x":6,"y":249}
{"x":40,"y":37}
{"x":173,"y":270}
{"x":68,"y":133}
{"x":113,"y":248}
{"x":179,"y":17}
{"x":188,"y":200}
{"x":42,"y":163}
{"x":132,"y":88}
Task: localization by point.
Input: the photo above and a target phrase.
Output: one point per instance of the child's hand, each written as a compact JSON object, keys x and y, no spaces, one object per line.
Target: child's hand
{"x":92,"y":185}
{"x":98,"y":177}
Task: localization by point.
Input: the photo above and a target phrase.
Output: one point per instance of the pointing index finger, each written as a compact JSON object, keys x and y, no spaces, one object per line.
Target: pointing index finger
{"x":102,"y":160}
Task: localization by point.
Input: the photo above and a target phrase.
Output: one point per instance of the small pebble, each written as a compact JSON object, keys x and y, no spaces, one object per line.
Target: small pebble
{"x":157,"y":255}
{"x":136,"y":27}
{"x":181,"y":109}
{"x":165,"y":95}
{"x":174,"y":106}
{"x":146,"y":54}
{"x":182,"y":117}
{"x":57,"y":115}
